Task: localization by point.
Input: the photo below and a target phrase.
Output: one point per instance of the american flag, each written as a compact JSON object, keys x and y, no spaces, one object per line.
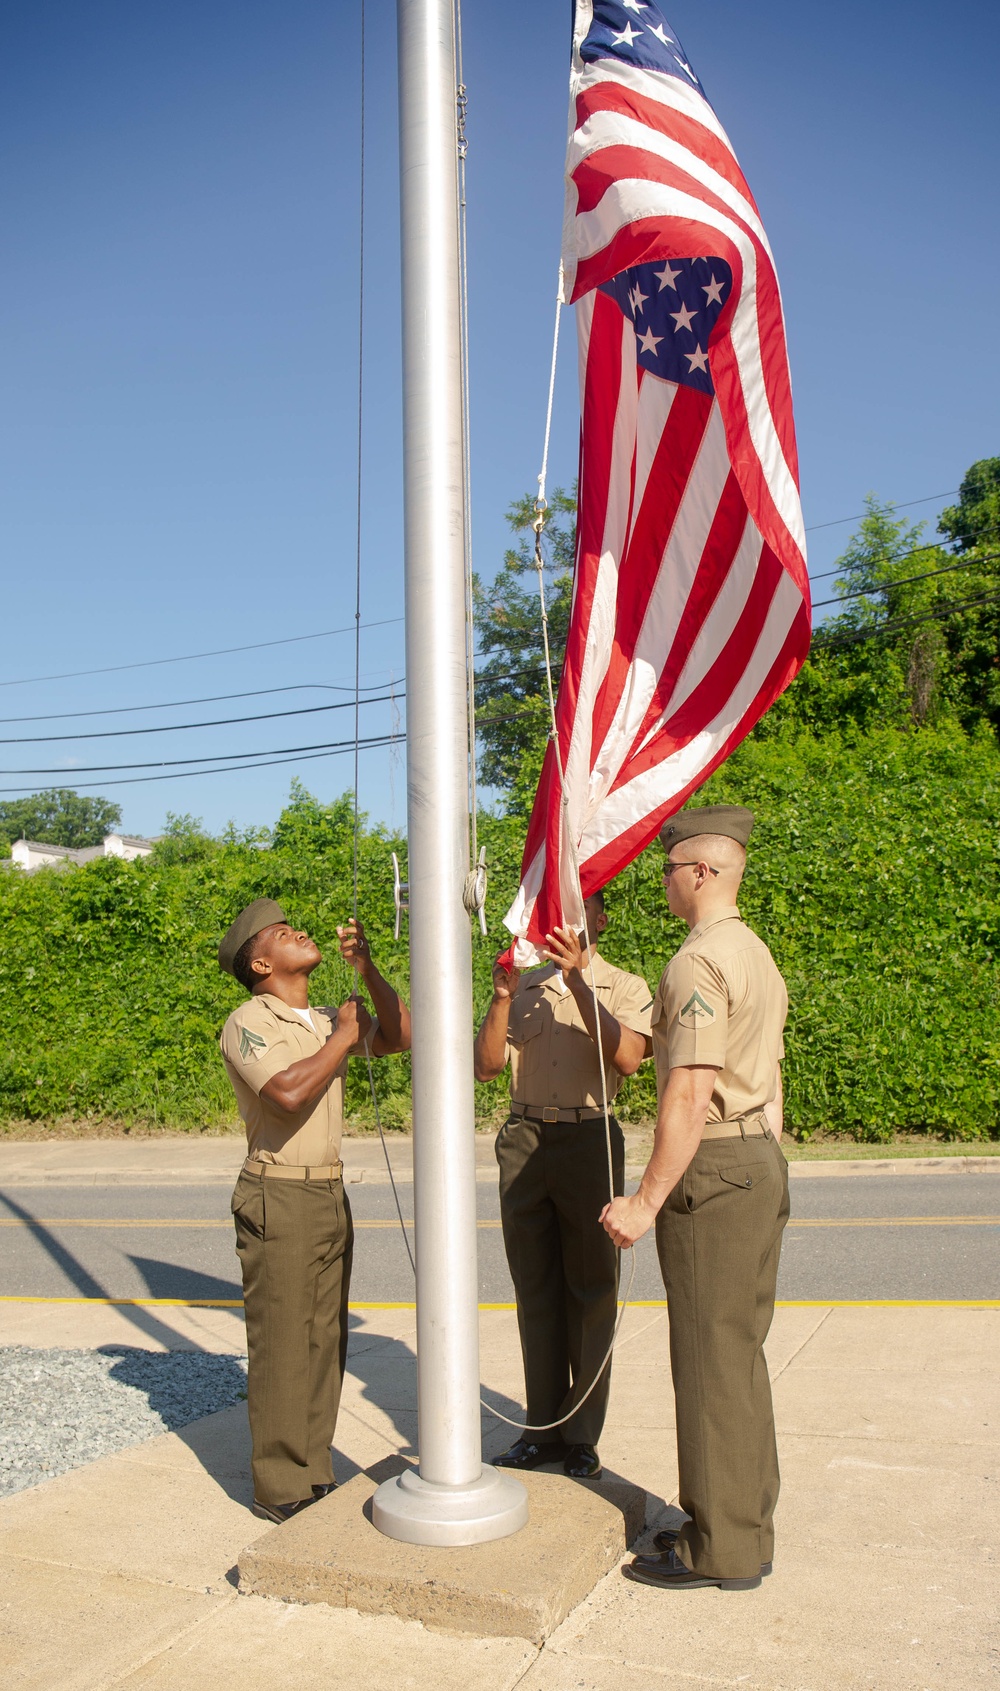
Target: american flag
{"x":690,"y":598}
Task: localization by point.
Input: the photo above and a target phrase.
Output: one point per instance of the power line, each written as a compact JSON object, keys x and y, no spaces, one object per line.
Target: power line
{"x":181,"y":727}
{"x":939,"y":615}
{"x":905,"y":581}
{"x":218,"y":722}
{"x":175,"y":704}
{"x":191,"y":657}
{"x":183,"y":774}
{"x":236,"y":760}
{"x":176,"y":762}
{"x":897,"y":505}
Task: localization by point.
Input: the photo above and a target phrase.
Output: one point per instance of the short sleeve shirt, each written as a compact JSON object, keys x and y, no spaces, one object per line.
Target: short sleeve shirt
{"x":553,"y":1060}
{"x":722,"y":1003}
{"x":260,"y":1039}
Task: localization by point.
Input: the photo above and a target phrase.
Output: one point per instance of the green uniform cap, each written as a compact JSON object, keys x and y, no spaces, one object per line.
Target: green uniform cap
{"x":730,"y":820}
{"x":260,"y":914}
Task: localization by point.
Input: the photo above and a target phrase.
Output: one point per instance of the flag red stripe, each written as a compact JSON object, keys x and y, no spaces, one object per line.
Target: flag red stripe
{"x":667,"y":121}
{"x":679,"y":446}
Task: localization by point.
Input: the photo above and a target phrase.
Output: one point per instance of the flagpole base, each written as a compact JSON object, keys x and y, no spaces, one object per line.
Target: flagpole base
{"x":417,"y":1511}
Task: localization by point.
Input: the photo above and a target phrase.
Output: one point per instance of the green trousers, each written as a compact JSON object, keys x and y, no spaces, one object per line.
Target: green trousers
{"x":295,"y":1240}
{"x":553,"y":1187}
{"x":718,"y":1238}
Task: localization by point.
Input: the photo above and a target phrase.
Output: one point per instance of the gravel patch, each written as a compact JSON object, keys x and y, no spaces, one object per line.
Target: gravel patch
{"x":62,"y":1408}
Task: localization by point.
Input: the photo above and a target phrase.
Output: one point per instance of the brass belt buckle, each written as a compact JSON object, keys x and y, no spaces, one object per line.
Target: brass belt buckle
{"x":550,"y":1115}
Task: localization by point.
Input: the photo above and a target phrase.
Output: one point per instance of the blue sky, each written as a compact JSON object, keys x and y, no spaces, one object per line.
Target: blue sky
{"x":179,"y":310}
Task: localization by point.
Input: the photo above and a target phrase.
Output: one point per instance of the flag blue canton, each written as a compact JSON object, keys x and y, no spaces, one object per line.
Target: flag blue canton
{"x":637,"y":33}
{"x":673,"y":305}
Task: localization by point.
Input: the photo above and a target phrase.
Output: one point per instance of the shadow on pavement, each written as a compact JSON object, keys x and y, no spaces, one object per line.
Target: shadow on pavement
{"x":86,"y":1285}
{"x":186,"y":1285}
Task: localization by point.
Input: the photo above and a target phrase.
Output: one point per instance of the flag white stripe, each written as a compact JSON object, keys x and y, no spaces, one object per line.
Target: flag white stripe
{"x":612,"y":129}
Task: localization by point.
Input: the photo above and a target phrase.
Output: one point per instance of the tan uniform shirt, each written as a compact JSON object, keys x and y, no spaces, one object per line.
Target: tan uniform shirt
{"x":722,"y":1003}
{"x":553,"y":1059}
{"x":260,"y":1039}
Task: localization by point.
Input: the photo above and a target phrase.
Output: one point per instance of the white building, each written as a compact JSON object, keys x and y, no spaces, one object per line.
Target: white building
{"x":33,"y":854}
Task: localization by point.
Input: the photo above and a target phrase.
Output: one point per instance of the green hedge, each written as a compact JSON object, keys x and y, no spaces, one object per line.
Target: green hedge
{"x":873,"y":877}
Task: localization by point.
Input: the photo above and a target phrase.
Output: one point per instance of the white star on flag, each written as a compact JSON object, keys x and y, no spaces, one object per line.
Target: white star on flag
{"x":698,"y":360}
{"x":635,"y":6}
{"x":660,"y":33}
{"x":714,"y":292}
{"x":628,"y":35}
{"x":667,"y":278}
{"x":649,"y":342}
{"x":684,"y":317}
{"x":638,"y":300}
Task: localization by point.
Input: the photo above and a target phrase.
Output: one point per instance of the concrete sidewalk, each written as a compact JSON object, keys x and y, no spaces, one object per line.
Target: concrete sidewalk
{"x":121,"y":1573}
{"x":181,"y":1159}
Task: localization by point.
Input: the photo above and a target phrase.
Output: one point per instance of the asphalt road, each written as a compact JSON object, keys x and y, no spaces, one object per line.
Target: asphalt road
{"x":920,"y":1237}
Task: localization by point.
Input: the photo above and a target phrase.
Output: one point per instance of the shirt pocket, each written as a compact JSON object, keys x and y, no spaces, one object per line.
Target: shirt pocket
{"x":528,"y":1015}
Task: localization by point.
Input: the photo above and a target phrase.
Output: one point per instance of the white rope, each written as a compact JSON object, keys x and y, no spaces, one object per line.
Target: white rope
{"x":539,"y":525}
{"x":543,"y":478}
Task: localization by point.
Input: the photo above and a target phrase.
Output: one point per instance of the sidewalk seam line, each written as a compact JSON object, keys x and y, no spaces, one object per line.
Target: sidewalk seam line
{"x":806,"y":1341}
{"x":162,"y":1649}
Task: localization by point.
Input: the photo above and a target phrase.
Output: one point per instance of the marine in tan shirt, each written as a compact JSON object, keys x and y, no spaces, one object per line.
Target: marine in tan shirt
{"x":294,"y":1236}
{"x":716,"y":1187}
{"x":721,"y":1002}
{"x":552,"y":1152}
{"x":260,"y":1040}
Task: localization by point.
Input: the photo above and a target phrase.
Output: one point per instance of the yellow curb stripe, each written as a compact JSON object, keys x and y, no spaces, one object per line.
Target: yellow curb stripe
{"x":840,"y":1221}
{"x":637,"y":1303}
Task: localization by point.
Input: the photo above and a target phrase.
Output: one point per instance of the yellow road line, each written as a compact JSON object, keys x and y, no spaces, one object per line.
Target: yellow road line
{"x":638,"y":1303}
{"x":842,"y":1221}
{"x":904,"y":1221}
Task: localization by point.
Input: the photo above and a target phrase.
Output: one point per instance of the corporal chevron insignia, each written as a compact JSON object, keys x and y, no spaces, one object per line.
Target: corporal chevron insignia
{"x":251,"y":1043}
{"x":696,"y":1013}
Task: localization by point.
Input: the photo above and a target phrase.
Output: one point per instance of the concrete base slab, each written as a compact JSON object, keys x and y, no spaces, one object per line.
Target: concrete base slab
{"x":517,"y":1587}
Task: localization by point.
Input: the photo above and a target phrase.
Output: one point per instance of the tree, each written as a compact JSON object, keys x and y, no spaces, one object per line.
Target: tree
{"x":59,"y":817}
{"x":972,"y":634}
{"x":975,"y":520}
{"x":512,"y":717}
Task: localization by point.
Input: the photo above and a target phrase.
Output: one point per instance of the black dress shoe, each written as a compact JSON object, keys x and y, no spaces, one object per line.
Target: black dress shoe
{"x":524,"y":1454}
{"x":324,"y":1490}
{"x":666,"y":1540}
{"x":669,"y":1573}
{"x":278,"y":1512}
{"x":582,"y":1462}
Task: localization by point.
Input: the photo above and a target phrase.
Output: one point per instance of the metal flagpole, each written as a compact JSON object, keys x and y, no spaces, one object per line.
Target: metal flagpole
{"x":453,"y":1499}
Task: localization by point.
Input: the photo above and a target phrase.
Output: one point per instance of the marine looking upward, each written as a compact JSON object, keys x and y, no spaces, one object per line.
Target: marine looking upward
{"x":294,"y":1235}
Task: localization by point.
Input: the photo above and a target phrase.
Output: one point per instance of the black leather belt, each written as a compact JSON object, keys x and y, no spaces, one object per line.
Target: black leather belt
{"x":548,"y":1116}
